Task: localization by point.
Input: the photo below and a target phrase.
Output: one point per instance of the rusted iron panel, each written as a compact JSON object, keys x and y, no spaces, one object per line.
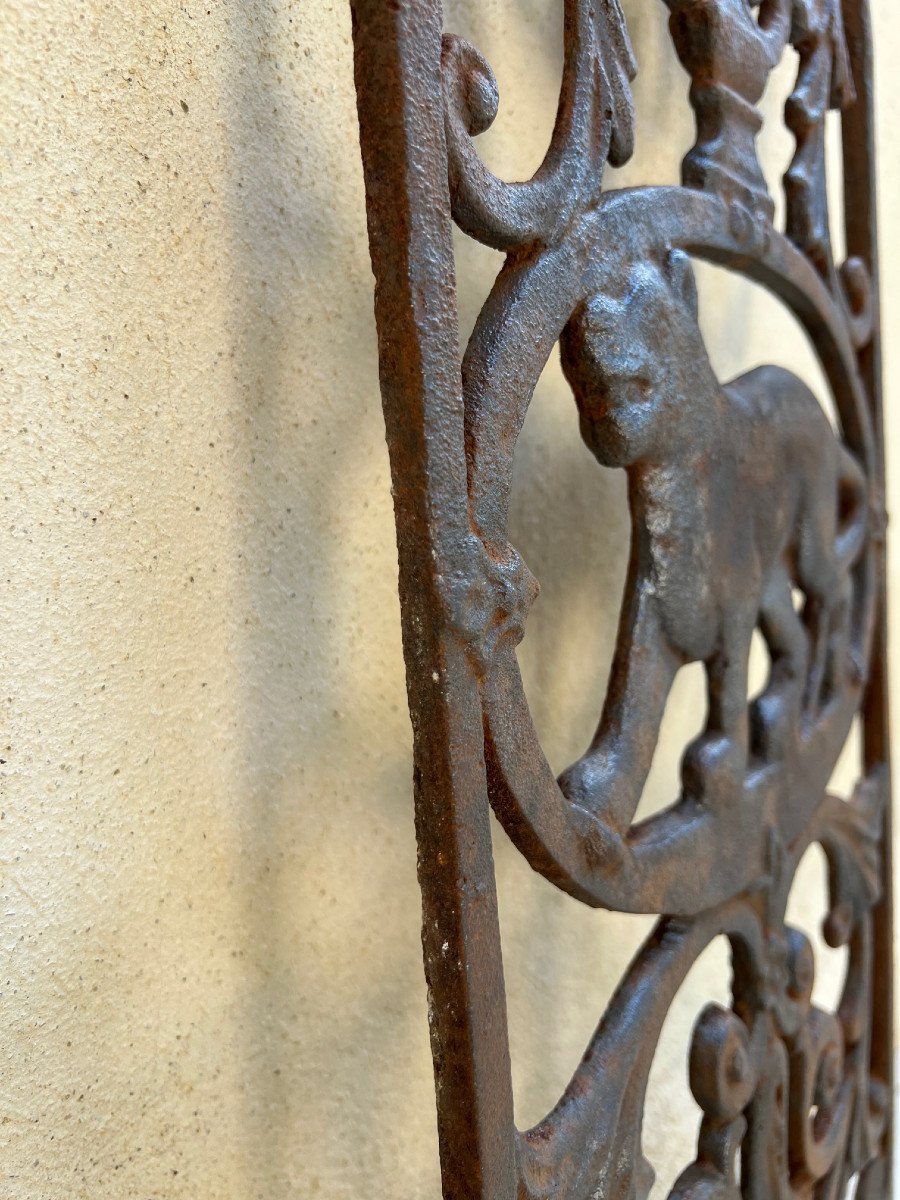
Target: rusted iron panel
{"x":741,"y":496}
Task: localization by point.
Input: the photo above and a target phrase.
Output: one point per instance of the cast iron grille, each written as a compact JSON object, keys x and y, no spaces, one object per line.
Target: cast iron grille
{"x":739,"y":496}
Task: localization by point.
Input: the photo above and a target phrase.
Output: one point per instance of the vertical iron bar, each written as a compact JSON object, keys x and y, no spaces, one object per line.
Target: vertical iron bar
{"x":860,"y":220}
{"x":397,"y":47}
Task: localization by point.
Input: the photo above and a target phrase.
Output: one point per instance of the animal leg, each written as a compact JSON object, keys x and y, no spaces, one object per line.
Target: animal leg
{"x":839,"y":659}
{"x":714,"y":765}
{"x":609,"y":778}
{"x":772,"y":715}
{"x":817,"y":619}
{"x":835,"y":536}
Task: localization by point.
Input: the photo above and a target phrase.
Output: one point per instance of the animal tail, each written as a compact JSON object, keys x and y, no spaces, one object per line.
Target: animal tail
{"x":853,"y":510}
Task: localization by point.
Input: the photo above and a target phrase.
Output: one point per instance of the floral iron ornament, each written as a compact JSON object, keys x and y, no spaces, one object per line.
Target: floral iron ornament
{"x":740,"y":495}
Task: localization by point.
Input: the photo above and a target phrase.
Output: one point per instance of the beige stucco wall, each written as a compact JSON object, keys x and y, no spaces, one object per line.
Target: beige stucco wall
{"x":210,"y":976}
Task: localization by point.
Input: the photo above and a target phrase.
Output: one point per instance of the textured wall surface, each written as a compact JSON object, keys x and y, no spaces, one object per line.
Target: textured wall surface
{"x":209,"y":955}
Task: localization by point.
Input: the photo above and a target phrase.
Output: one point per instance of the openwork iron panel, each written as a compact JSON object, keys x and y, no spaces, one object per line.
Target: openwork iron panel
{"x":741,"y":497}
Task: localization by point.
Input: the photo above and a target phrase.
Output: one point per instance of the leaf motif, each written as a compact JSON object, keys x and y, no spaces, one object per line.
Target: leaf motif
{"x":851,"y":835}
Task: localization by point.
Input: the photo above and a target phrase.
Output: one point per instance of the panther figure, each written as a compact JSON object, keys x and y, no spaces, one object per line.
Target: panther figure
{"x":738,"y":495}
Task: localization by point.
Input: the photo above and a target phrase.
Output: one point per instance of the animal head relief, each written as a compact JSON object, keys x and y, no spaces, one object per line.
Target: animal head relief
{"x":634,"y":360}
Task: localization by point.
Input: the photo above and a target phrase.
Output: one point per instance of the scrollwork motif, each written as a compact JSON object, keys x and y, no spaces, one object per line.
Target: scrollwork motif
{"x":594,"y":123}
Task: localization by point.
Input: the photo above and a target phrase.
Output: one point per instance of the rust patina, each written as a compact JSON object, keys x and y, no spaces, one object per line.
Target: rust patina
{"x":741,"y":496}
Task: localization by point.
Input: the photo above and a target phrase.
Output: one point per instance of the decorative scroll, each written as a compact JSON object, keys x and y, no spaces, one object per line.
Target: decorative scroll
{"x":741,"y":496}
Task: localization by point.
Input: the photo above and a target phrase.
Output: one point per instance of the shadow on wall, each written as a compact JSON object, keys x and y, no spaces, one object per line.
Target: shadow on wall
{"x":332,"y":1014}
